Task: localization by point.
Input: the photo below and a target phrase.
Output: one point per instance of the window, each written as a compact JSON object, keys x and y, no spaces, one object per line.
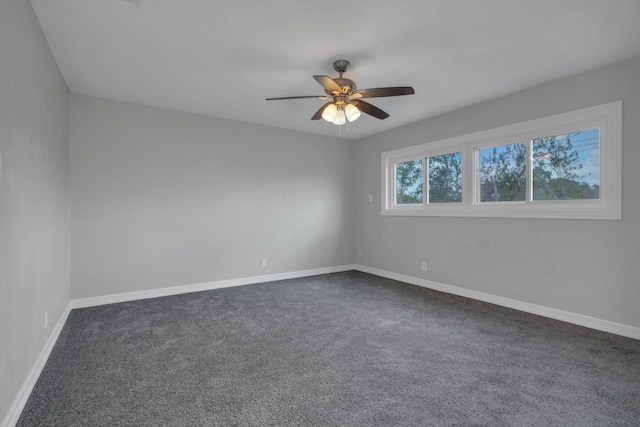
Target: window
{"x":563,"y":166}
{"x":503,"y":173}
{"x":444,"y":178}
{"x":567,"y":167}
{"x":409,"y":182}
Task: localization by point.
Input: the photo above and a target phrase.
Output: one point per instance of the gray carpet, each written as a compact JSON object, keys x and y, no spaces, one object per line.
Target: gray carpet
{"x":345,"y":349}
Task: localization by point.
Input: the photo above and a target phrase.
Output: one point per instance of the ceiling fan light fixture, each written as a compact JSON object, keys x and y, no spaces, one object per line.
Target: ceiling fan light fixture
{"x":352,"y":112}
{"x":330,"y":113}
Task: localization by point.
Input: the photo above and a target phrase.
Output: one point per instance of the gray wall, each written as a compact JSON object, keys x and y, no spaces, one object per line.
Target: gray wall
{"x":582,"y":266}
{"x":34,"y":195}
{"x":161,"y":198}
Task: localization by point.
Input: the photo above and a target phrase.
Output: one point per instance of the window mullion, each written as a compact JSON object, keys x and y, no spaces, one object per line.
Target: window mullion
{"x":475,"y":172}
{"x":529,"y":172}
{"x":425,"y":183}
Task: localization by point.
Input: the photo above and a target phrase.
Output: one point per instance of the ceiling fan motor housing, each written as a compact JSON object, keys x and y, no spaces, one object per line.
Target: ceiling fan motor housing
{"x":347,"y":85}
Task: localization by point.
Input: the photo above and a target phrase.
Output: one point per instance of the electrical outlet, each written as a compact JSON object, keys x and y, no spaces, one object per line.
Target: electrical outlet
{"x":370,"y":198}
{"x":359,"y":252}
{"x":46,"y":319}
{"x":264,"y":262}
{"x":424,"y":266}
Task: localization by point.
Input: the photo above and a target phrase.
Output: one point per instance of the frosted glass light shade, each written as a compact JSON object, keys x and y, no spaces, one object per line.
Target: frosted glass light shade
{"x":340,"y":118}
{"x":330,"y":113}
{"x":352,"y":112}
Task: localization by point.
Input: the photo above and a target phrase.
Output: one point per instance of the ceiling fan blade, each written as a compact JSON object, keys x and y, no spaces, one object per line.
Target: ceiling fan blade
{"x":371,"y":110}
{"x":318,"y":114}
{"x":327,"y":83}
{"x":383,"y":91}
{"x":299,"y":97}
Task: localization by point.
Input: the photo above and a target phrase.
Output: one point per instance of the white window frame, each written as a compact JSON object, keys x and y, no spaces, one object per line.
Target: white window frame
{"x":606,"y":117}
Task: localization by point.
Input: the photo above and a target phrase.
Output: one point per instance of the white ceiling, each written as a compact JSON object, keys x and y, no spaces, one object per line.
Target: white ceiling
{"x":223,"y":58}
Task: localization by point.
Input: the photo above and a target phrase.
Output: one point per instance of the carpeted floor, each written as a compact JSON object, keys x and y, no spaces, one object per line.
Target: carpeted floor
{"x":345,"y":349}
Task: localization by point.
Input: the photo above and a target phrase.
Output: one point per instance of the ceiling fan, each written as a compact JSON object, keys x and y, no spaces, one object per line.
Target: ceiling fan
{"x":346,"y":102}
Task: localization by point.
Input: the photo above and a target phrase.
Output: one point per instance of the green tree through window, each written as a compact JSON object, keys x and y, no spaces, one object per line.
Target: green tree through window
{"x":409,"y":182}
{"x":503,"y":171}
{"x":558,"y":164}
{"x":445,"y":178}
{"x":565,"y":167}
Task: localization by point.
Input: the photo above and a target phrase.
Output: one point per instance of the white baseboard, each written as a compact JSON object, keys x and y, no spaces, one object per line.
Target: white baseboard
{"x":553,"y":313}
{"x":18,"y":404}
{"x":207,"y":286}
